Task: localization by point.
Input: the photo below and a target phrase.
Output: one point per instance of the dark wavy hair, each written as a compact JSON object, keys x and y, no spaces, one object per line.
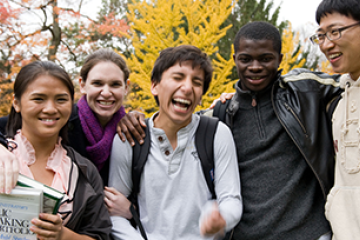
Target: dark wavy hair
{"x":172,"y":55}
{"x":28,"y":74}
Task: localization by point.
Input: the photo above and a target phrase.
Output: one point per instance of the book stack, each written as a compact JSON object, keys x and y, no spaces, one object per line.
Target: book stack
{"x":25,"y":202}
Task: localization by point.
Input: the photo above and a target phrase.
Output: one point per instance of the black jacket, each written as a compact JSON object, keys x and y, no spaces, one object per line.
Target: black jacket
{"x":90,"y":215}
{"x":300,"y":100}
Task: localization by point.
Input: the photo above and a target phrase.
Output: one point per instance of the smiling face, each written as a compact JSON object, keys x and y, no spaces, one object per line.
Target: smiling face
{"x":257,"y":63}
{"x":343,"y":53}
{"x":105,"y":89}
{"x":179,"y":92}
{"x":45,"y":107}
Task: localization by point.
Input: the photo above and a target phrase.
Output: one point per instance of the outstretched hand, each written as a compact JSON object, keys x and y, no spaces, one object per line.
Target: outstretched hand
{"x":9,"y":170}
{"x":132,"y":125}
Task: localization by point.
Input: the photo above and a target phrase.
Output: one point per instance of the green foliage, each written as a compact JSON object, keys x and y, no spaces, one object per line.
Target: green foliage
{"x":246,"y":11}
{"x":159,"y":24}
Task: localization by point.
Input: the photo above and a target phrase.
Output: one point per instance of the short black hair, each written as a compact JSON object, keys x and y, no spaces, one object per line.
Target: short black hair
{"x":259,"y":30}
{"x":172,"y":55}
{"x":350,"y":8}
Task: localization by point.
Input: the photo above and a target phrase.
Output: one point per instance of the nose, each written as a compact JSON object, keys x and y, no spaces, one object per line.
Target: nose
{"x":187,"y":85}
{"x":326,"y":45}
{"x":255,"y":66}
{"x":50,"y":107}
{"x":105,"y":92}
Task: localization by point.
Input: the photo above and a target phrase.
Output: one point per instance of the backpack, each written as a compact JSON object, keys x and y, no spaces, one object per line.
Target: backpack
{"x":220,"y":110}
{"x":204,"y":138}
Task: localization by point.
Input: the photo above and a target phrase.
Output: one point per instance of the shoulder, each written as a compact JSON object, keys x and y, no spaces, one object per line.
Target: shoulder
{"x":304,"y":76}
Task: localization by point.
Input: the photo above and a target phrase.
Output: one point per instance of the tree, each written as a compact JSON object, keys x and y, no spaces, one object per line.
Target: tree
{"x":246,"y":11}
{"x":44,"y":30}
{"x":290,"y":52}
{"x":158,"y":24}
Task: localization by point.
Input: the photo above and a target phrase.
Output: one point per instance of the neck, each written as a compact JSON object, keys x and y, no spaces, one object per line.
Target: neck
{"x":43,"y":146}
{"x":170,"y":128}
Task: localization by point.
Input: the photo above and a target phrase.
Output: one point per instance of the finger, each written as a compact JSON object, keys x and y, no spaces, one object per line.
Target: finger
{"x":112,"y":190}
{"x":136,"y":128}
{"x":142,"y":120}
{"x":214,"y":103}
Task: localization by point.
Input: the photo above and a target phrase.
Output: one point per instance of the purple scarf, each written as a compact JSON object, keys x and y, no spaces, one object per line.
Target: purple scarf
{"x":100,"y":138}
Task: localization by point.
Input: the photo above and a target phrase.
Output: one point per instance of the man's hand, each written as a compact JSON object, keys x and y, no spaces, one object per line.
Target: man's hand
{"x":213,"y":223}
{"x":9,"y":170}
{"x":116,"y":203}
{"x":131,"y":125}
{"x":223,"y":98}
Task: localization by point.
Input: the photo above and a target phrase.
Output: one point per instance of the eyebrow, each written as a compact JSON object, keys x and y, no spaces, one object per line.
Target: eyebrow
{"x":330,"y":26}
{"x":182,"y":74}
{"x":44,"y":95}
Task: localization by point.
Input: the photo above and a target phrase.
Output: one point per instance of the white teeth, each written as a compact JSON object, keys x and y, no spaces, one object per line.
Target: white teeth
{"x":331,"y":56}
{"x":182,"y":101}
{"x":255,"y":78}
{"x":47,"y":120}
{"x":105,"y":103}
{"x":180,"y":108}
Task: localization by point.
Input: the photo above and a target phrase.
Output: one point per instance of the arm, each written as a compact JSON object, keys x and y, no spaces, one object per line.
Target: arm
{"x":227,"y":181}
{"x":120,"y":179}
{"x":9,"y":168}
{"x":132,"y":125}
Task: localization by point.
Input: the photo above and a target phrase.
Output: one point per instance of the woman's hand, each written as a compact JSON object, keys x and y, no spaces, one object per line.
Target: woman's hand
{"x":116,"y":203}
{"x":47,"y":226}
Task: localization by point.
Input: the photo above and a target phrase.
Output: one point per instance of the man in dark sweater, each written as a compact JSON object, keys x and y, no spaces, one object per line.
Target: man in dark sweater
{"x":283,"y":139}
{"x":282,"y":132}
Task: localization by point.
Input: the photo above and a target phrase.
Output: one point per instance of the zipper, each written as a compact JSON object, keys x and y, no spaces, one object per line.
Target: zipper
{"x":297,"y":119}
{"x":301,"y":151}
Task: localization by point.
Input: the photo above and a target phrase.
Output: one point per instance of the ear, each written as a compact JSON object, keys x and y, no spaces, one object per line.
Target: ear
{"x":280,"y":58}
{"x":127,"y":84}
{"x":154,"y":89}
{"x":16,"y":104}
{"x":82,"y":86}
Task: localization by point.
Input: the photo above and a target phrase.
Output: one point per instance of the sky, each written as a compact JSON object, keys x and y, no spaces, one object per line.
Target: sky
{"x":299,"y":13}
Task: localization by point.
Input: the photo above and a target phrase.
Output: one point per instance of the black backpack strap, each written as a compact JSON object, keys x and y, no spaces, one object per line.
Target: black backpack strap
{"x":204,"y":142}
{"x":140,"y":154}
{"x":220,"y":110}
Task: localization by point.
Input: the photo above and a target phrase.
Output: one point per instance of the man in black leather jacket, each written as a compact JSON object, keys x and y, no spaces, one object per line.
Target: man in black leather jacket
{"x":282,"y":131}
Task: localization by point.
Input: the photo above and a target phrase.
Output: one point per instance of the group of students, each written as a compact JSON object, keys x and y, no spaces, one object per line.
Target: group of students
{"x":283,"y":140}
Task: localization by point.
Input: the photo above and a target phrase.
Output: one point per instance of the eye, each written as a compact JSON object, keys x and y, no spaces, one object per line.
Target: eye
{"x":96,"y":83}
{"x":38,"y":99}
{"x":117,"y":84}
{"x":198,"y":82}
{"x":266,"y":59}
{"x":244,"y":59}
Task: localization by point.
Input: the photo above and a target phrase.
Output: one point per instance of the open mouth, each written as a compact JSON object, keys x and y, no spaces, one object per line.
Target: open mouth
{"x":181,"y":104}
{"x":48,"y":120}
{"x":106,"y":103}
{"x":334,"y":56}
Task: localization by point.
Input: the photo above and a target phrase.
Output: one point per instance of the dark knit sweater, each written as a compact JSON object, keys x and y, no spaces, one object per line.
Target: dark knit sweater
{"x":282,"y":199}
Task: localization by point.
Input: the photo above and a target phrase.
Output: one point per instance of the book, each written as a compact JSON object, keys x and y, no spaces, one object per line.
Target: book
{"x":16,"y":211}
{"x":51,"y":197}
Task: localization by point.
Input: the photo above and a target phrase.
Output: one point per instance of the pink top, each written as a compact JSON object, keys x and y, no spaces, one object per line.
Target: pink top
{"x":58,"y":162}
